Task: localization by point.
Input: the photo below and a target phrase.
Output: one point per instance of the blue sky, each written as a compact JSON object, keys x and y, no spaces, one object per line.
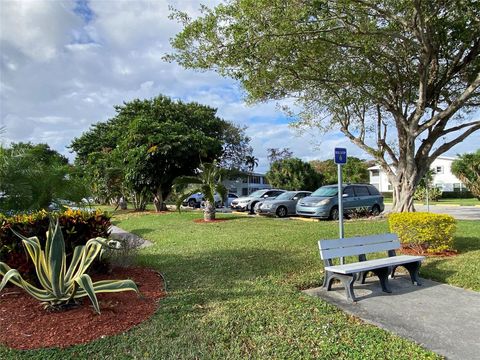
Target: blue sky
{"x":67,"y":63}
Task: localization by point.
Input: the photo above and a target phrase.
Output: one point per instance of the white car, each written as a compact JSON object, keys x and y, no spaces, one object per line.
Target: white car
{"x":197,"y":199}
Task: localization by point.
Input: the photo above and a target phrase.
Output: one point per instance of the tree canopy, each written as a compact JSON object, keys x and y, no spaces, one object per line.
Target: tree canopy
{"x":397,"y":77}
{"x":151,"y":142}
{"x":293,"y":174}
{"x":467,"y":169}
{"x":354,"y":171}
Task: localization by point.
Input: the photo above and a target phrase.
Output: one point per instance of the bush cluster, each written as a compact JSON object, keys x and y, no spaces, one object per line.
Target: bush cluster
{"x":78,"y":227}
{"x":423,"y":231}
{"x":433,"y":194}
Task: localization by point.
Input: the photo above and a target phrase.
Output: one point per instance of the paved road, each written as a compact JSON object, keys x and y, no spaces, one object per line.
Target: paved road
{"x":458,"y":212}
{"x":440,"y":317}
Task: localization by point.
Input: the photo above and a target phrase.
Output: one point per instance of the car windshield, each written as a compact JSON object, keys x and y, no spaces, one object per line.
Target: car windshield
{"x":325,"y":191}
{"x":257,"y":193}
{"x":285,"y":196}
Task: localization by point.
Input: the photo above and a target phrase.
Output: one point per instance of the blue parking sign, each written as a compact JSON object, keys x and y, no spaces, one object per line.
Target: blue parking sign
{"x":340,"y":156}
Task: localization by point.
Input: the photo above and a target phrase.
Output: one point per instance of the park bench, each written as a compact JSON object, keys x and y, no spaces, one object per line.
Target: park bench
{"x":357,"y":271}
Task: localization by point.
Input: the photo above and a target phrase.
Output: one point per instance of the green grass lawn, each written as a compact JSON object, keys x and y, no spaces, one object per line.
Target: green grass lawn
{"x":233,"y":293}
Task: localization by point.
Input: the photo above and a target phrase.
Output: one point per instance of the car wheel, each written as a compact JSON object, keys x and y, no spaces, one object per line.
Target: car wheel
{"x":375,"y":210}
{"x":192,"y":203}
{"x":282,"y":211}
{"x":334,"y":213}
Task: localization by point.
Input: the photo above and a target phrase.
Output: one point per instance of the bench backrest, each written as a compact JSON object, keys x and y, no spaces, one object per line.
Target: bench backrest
{"x":330,"y":249}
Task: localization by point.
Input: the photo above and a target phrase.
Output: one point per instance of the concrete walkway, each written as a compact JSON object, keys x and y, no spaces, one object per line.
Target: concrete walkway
{"x":134,"y":240}
{"x":442,"y":318}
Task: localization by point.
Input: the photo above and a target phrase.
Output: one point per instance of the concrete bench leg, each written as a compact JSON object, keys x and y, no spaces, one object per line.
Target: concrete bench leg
{"x":347,"y":282}
{"x":413,"y":269}
{"x":382,"y":274}
{"x":361,"y":277}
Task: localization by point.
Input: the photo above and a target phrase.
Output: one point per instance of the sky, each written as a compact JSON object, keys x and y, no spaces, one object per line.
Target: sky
{"x":65,"y":64}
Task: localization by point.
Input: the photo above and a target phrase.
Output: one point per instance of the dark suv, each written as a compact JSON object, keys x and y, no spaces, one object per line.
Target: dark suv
{"x":323,"y":203}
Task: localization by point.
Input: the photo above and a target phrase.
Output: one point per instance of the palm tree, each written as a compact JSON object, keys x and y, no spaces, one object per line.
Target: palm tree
{"x":251,"y":162}
{"x":208,"y":182}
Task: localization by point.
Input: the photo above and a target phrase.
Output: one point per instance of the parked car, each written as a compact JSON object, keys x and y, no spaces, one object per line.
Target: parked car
{"x":230,"y":198}
{"x":283,"y":205}
{"x":323,"y":203}
{"x":247,"y":203}
{"x":196,"y":200}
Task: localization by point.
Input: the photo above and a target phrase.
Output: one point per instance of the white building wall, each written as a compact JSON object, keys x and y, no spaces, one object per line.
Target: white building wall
{"x":443,"y":177}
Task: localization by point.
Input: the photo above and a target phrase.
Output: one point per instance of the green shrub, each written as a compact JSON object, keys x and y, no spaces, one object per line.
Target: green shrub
{"x":78,"y":226}
{"x":433,"y":194}
{"x":423,"y":231}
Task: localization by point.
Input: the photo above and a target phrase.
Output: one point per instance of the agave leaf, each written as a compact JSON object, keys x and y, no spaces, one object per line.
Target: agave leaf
{"x":38,"y":257}
{"x":15,"y":278}
{"x":76,"y":260}
{"x":106,"y":286}
{"x":34,"y":250}
{"x":90,"y":251}
{"x":85,"y":282}
{"x":56,"y":259}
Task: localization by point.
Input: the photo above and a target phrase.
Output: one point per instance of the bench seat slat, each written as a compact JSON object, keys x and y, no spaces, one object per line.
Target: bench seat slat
{"x":356,"y":241}
{"x":373,"y":264}
{"x":359,"y":249}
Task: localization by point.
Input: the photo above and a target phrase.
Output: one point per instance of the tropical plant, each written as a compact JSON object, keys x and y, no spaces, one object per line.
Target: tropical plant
{"x":251,"y":162}
{"x":467,"y":169}
{"x":61,"y":285}
{"x":32,"y":176}
{"x":208,"y":182}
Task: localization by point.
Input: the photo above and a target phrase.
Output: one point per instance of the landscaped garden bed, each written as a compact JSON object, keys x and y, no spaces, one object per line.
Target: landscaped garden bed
{"x":26,"y":324}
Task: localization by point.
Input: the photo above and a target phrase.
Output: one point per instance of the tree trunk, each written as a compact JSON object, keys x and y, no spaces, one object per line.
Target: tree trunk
{"x":209,"y":212}
{"x":403,"y":198}
{"x":158,"y":202}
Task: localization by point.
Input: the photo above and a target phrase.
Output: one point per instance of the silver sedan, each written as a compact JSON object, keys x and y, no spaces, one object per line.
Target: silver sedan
{"x":281,"y":206}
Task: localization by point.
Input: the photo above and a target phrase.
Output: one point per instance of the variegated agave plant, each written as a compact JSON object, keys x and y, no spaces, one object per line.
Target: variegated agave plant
{"x":59,"y":284}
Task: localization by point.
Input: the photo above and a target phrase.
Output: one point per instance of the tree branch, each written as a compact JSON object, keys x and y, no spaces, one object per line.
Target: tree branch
{"x":447,"y":146}
{"x":452,"y":108}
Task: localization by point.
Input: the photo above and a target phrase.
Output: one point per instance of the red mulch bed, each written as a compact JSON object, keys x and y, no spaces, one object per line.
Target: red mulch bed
{"x":423,"y":251}
{"x":201,"y":221}
{"x":25,"y":324}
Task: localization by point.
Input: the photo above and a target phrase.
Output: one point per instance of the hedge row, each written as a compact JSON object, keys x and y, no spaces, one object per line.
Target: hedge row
{"x":77,"y":226}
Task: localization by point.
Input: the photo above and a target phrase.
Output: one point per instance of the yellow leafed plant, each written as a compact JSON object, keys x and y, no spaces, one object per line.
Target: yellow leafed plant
{"x":424,"y":230}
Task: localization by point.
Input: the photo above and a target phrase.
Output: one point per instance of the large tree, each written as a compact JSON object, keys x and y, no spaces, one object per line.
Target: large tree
{"x":293,"y":174}
{"x":397,"y":77}
{"x":157,"y":140}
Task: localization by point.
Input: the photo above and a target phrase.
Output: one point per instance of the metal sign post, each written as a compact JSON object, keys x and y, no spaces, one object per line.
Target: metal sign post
{"x":340,"y":160}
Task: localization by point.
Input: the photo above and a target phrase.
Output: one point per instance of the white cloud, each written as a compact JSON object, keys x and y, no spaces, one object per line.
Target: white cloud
{"x":61,"y":73}
{"x":38,"y":29}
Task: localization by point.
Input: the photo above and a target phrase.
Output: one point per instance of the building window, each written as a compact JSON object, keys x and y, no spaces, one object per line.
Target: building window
{"x":459,"y":187}
{"x":255,"y":180}
{"x":390,"y":187}
{"x":375,"y":173}
{"x":438,"y":169}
